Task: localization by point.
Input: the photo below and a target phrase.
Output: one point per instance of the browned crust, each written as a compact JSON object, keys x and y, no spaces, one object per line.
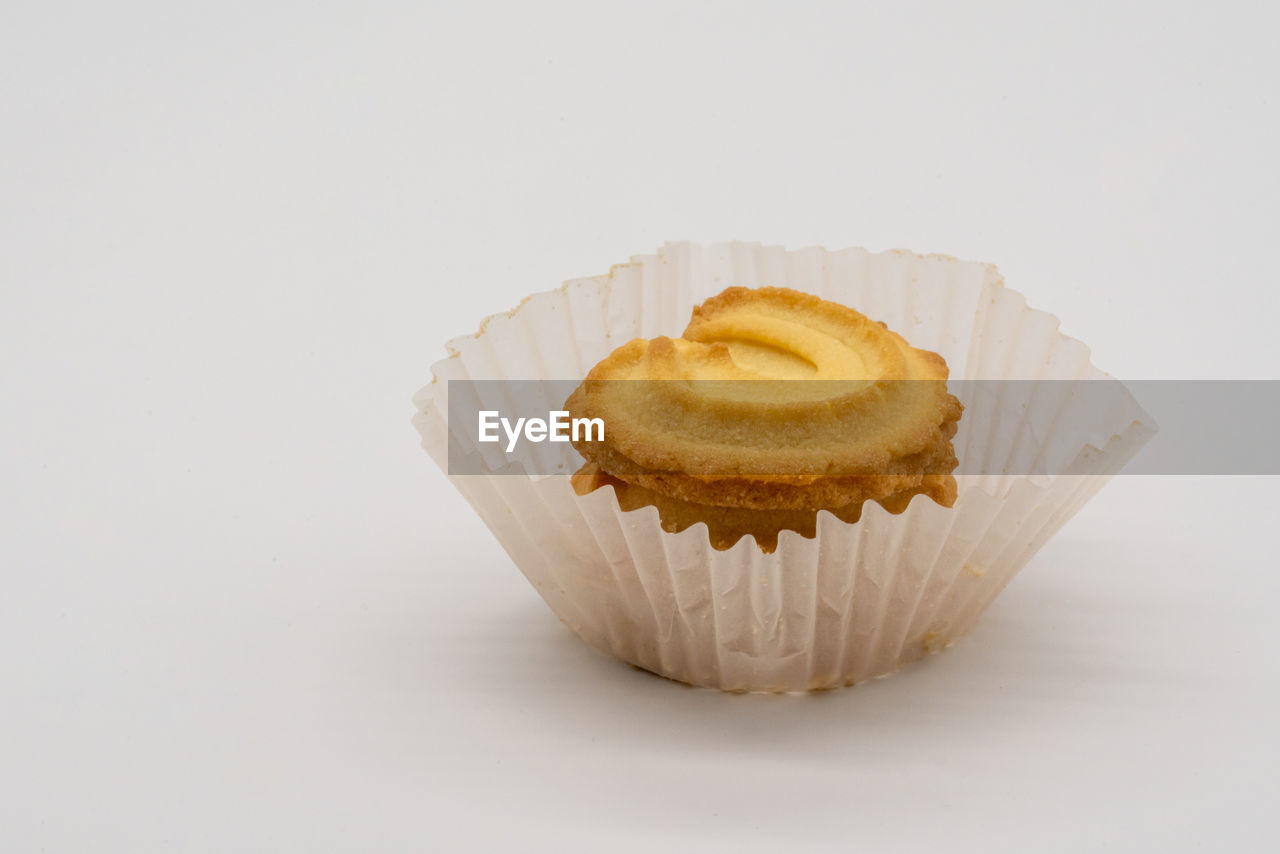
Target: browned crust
{"x":780,"y":491}
{"x":727,"y":525}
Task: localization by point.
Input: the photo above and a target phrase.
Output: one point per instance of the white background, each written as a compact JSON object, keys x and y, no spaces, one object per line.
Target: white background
{"x":242,"y":611}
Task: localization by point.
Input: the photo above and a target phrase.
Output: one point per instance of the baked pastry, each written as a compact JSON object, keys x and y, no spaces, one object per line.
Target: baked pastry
{"x":772,"y":406}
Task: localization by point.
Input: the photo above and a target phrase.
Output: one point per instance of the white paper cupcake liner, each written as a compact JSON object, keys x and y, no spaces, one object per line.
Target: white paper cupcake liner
{"x":854,"y":602}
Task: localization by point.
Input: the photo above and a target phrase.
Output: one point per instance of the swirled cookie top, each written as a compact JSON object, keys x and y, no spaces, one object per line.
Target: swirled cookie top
{"x":769,"y":381}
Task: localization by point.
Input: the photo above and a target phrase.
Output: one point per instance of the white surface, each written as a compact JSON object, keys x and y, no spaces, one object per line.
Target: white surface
{"x":242,"y":611}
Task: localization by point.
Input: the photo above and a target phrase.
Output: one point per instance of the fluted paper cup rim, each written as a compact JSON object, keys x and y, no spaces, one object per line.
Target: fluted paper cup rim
{"x":1095,"y":443}
{"x":453,"y":345}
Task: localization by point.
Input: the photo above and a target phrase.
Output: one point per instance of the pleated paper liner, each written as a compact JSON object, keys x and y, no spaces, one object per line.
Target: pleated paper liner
{"x":857,"y":600}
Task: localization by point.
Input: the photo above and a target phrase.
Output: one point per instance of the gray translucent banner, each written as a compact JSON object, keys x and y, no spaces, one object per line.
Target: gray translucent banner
{"x":1009,"y":427}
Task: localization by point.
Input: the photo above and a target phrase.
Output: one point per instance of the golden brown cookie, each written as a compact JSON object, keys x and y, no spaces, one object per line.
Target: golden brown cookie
{"x":773,"y":404}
